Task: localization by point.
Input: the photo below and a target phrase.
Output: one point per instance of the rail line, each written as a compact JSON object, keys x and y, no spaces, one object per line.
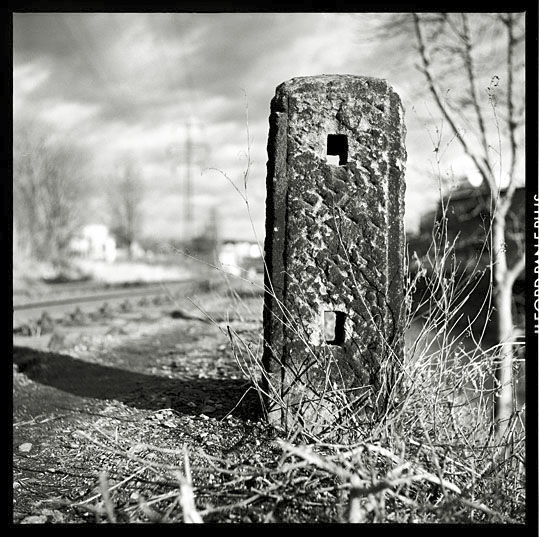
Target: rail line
{"x":132,"y":292}
{"x":27,"y":315}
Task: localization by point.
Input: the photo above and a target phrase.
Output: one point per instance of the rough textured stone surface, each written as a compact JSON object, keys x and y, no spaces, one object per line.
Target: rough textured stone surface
{"x":334,"y":243}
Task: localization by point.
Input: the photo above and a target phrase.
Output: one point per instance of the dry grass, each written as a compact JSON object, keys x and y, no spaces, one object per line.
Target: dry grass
{"x":433,"y":456}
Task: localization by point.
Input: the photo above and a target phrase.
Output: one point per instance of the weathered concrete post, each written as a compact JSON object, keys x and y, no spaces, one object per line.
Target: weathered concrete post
{"x":334,"y":249}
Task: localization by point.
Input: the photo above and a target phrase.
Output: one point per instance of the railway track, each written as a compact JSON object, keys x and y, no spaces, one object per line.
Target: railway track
{"x":88,"y":288}
{"x":106,"y":295}
{"x":29,"y":315}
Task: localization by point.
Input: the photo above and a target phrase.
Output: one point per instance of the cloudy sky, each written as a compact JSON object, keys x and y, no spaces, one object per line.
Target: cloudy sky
{"x":142,"y":85}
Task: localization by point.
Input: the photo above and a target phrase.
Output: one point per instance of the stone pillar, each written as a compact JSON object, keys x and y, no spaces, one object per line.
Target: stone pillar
{"x":334,"y":250}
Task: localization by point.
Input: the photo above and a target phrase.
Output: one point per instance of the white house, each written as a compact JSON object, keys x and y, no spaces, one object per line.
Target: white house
{"x":95,"y":242}
{"x":238,"y":257}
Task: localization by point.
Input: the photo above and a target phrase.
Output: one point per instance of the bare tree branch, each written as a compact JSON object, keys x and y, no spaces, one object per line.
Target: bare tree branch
{"x":513,"y":273}
{"x":510,"y":107}
{"x":480,"y":163}
{"x":503,"y":276}
{"x":125,"y":196}
{"x":47,"y":192}
{"x":468,"y":62}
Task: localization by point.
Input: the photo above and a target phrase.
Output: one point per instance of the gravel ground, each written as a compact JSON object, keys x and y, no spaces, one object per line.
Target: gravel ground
{"x":110,"y":418}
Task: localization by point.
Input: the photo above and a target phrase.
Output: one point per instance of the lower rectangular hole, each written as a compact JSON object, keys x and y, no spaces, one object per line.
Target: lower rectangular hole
{"x":334,"y":327}
{"x":337,"y":146}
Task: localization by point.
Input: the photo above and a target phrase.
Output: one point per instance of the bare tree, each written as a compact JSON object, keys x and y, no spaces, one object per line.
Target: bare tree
{"x":473,"y":65}
{"x":47,"y":192}
{"x":126,"y":194}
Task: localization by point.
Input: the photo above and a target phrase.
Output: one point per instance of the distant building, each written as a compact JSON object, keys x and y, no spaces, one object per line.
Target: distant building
{"x":240,"y":257}
{"x":136,"y":251}
{"x":95,"y":242}
{"x":468,"y":212}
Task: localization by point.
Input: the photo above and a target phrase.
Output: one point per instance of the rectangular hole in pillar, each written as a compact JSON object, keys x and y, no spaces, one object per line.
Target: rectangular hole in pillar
{"x":337,"y":148}
{"x":334,"y":327}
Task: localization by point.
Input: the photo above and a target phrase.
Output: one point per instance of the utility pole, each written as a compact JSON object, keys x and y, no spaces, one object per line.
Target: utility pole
{"x":188,"y":151}
{"x":187,"y":213}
